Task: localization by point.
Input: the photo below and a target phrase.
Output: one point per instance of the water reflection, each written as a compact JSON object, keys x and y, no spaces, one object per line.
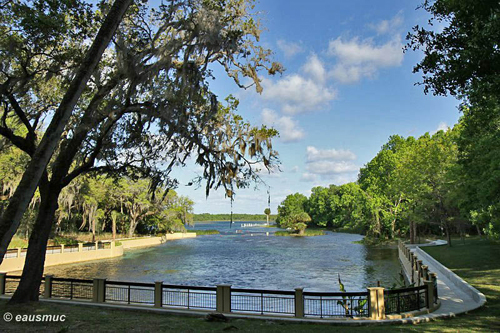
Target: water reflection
{"x":249,"y":259}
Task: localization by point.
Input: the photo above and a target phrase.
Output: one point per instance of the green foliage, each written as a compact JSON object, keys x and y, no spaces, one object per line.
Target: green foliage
{"x":462,"y":58}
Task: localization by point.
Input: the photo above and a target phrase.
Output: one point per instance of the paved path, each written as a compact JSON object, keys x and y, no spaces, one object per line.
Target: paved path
{"x":455,"y":294}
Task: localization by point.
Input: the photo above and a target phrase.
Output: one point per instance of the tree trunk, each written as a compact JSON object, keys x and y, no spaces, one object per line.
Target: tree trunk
{"x":113,"y":227}
{"x":448,"y":234}
{"x":11,"y":218}
{"x":29,"y":286}
{"x":413,"y":232}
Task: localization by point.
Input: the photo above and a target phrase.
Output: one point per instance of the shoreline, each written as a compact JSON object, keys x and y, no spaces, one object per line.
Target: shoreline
{"x":64,"y":256}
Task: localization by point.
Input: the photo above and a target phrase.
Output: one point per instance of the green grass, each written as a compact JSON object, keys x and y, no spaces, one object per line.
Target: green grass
{"x":17,"y":242}
{"x":205,"y":232}
{"x":477,"y":261}
{"x":307,"y":232}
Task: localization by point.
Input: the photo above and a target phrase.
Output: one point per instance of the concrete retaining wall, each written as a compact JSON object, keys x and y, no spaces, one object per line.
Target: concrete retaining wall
{"x":457,"y":281}
{"x":52,"y":259}
{"x":17,"y":264}
{"x":151,"y":241}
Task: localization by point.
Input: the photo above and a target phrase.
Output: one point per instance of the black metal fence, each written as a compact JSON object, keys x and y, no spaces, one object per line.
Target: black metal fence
{"x":130,"y":293}
{"x":405,"y":300}
{"x":254,"y":301}
{"x":189,"y":297}
{"x":336,"y":304}
{"x":263,"y":301}
{"x":72,"y":288}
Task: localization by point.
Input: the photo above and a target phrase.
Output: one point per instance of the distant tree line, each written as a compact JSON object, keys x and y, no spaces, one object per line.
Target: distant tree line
{"x":442,"y":183}
{"x":413,"y":185}
{"x":100,"y":204}
{"x":227,"y":217}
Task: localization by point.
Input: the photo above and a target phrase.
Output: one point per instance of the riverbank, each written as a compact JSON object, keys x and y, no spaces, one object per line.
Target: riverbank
{"x":475,"y":261}
{"x":79,"y":253}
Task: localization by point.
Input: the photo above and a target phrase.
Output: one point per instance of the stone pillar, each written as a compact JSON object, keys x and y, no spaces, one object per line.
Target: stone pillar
{"x":299,"y":302}
{"x":376,"y":303}
{"x":99,"y":291}
{"x":48,"y":286}
{"x":62,"y":248}
{"x":80,"y":247}
{"x":19,"y":250}
{"x":433,"y":278}
{"x":429,"y":300}
{"x":425,"y":272}
{"x":223,"y":298}
{"x":113,"y":246}
{"x":3,"y":281}
{"x":159,"y":294}
{"x":97,"y":245}
{"x":419,"y":272}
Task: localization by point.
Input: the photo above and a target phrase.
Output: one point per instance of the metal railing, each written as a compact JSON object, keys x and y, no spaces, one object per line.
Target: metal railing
{"x":72,"y":288}
{"x":405,"y":300}
{"x":130,"y":293}
{"x":56,"y":249}
{"x":263,"y":301}
{"x":189,"y":297}
{"x":296,"y":303}
{"x":336,"y":304}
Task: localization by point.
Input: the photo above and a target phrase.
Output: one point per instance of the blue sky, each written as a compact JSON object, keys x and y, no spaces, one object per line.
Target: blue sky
{"x":347,"y":87}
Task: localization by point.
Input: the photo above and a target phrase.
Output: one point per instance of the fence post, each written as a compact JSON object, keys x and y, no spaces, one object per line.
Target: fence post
{"x":429,"y":300}
{"x":48,"y":286}
{"x":112,"y":246}
{"x":223,"y":298}
{"x":376,"y":303}
{"x":97,"y":245}
{"x":419,"y":272}
{"x":99,"y":291}
{"x":62,"y":248}
{"x":299,"y":302}
{"x":433,"y":278}
{"x":425,"y":272}
{"x":3,"y":281}
{"x":80,"y":247}
{"x":158,"y":294}
{"x":19,"y":252}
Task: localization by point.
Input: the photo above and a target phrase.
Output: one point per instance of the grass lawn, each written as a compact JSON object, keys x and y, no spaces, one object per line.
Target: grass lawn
{"x":477,"y":261}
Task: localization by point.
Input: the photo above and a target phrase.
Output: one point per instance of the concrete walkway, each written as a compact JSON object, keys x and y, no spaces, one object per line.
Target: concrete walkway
{"x":456,"y":295}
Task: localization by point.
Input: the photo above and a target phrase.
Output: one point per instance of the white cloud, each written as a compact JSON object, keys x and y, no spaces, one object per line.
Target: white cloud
{"x":289,"y":129}
{"x":261,"y":170}
{"x":298,"y":94}
{"x":388,"y":26}
{"x":313,"y":154}
{"x":289,"y":48}
{"x":315,"y":68}
{"x":308,"y":177}
{"x":442,"y":127}
{"x":331,"y":167}
{"x":295,"y":169}
{"x":363,"y":58}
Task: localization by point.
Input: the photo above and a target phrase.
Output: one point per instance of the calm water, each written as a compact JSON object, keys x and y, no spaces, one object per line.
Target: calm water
{"x":246,"y":257}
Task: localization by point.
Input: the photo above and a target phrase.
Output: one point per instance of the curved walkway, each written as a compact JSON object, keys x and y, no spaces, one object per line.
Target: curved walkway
{"x":456,"y":295}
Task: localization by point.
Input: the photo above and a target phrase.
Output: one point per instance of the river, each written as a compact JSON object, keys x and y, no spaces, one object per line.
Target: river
{"x":246,"y":257}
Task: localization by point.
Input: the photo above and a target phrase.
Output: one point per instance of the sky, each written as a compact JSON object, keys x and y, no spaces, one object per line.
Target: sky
{"x":347,"y":88}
